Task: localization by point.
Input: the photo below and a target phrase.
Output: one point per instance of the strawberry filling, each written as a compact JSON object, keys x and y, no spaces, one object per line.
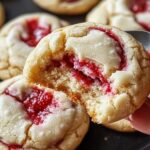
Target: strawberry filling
{"x":141,"y":6}
{"x":12,"y":146}
{"x":86,"y":71}
{"x":145,"y":26}
{"x":35,"y":32}
{"x":37,"y":103}
{"x":148,"y":52}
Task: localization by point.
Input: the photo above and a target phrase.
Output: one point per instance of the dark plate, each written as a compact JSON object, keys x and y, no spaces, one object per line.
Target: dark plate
{"x":98,"y":137}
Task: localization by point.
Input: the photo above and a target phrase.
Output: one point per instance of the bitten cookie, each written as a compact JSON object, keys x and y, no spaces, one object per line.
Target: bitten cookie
{"x":121,"y":126}
{"x":19,"y":37}
{"x":68,"y":7}
{"x":2,"y":15}
{"x":36,"y":118}
{"x":124,"y":14}
{"x":99,"y":66}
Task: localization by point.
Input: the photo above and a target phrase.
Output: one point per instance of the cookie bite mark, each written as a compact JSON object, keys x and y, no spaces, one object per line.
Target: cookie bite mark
{"x":141,"y":7}
{"x":35,"y":32}
{"x":12,"y":146}
{"x":37,"y":103}
{"x":119,"y":46}
{"x":86,"y":71}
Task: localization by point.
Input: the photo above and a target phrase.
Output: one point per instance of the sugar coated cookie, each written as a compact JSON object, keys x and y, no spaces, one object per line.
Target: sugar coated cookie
{"x":37,"y":118}
{"x":124,"y":14}
{"x":19,"y":37}
{"x":102,"y":67}
{"x":68,"y":7}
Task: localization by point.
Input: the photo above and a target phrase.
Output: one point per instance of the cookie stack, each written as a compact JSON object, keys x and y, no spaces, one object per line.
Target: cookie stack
{"x":59,"y":77}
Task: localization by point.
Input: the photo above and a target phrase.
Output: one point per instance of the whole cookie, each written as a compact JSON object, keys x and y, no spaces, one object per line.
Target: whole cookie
{"x":99,"y":66}
{"x":69,"y":7}
{"x":20,"y":36}
{"x":37,"y":118}
{"x":2,"y":15}
{"x":121,"y":126}
{"x":124,"y":14}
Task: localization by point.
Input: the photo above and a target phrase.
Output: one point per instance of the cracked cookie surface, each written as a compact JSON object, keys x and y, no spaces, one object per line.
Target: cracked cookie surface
{"x":37,"y":118}
{"x":68,"y":7}
{"x":99,"y":66}
{"x":20,"y":36}
{"x":124,"y":14}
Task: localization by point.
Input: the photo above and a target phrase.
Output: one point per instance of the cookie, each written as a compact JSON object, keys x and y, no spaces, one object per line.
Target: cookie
{"x":20,"y":36}
{"x":2,"y":18}
{"x":121,"y":126}
{"x":99,"y":66}
{"x":124,"y":14}
{"x":68,"y":7}
{"x":37,"y":118}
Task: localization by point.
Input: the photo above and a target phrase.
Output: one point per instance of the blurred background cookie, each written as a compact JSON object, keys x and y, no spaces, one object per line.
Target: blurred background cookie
{"x":68,"y":7}
{"x":20,"y":36}
{"x":2,"y":14}
{"x":34,"y":117}
{"x":99,"y":66}
{"x":125,"y":14}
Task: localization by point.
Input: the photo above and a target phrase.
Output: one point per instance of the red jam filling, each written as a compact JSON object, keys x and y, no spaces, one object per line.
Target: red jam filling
{"x":148,"y":52}
{"x":37,"y":103}
{"x":12,"y":146}
{"x":145,"y":26}
{"x":139,"y":6}
{"x":87,"y":72}
{"x":35,"y":32}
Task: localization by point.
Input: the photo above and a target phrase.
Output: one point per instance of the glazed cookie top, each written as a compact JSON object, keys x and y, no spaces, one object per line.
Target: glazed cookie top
{"x":102,"y":67}
{"x":125,"y":14}
{"x":21,"y":35}
{"x":2,"y":15}
{"x":69,"y":7}
{"x":39,"y":118}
